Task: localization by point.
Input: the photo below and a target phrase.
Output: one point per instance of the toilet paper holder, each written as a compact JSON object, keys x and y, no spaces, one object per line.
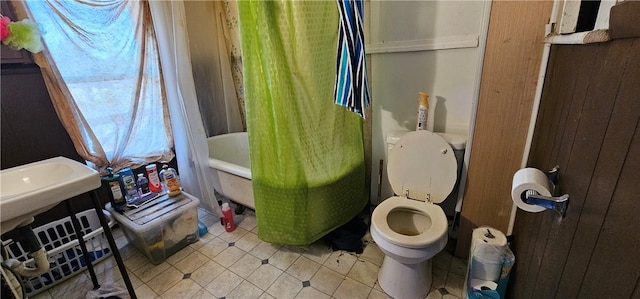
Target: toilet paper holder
{"x":556,"y":203}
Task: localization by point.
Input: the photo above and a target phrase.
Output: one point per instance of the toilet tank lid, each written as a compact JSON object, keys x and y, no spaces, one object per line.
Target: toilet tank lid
{"x":457,"y":141}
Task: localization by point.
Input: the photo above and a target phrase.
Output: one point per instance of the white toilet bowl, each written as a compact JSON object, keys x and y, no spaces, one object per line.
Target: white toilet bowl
{"x":411,"y":229}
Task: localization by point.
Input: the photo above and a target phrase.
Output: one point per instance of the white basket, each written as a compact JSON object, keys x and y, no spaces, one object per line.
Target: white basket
{"x":63,"y":250}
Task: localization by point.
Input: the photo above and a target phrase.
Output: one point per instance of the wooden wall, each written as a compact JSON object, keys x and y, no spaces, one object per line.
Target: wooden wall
{"x":509,"y":78}
{"x":589,"y":125}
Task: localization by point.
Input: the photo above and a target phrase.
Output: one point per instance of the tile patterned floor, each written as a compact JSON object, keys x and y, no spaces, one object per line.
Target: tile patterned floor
{"x":240,"y":265}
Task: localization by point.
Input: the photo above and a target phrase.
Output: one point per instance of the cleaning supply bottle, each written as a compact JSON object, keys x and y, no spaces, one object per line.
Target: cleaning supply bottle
{"x":129,"y":183}
{"x":154,"y":180}
{"x":116,"y":196}
{"x":171,"y":180}
{"x":227,"y":218}
{"x":143,"y":185}
{"x":423,"y":111}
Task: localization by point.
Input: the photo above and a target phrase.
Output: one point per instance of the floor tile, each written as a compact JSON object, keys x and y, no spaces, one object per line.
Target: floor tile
{"x":209,"y":220}
{"x":185,"y":288}
{"x":244,"y":291}
{"x":318,"y":252}
{"x":222,"y":285}
{"x":310,"y":292}
{"x":245,"y":266}
{"x":216,"y":229}
{"x":326,"y":280}
{"x":161,"y":283}
{"x":180,"y":255}
{"x":442,"y":260}
{"x":340,"y":261}
{"x":264,"y":276}
{"x":191,"y":262}
{"x":145,"y":292}
{"x":458,"y":266}
{"x":438,"y":277}
{"x":373,"y":254}
{"x":248,"y":242}
{"x":303,"y":268}
{"x":283,"y":258}
{"x":201,"y":294}
{"x":233,"y":236}
{"x":375,"y":294}
{"x":285,"y":287}
{"x":364,"y":272}
{"x":207,"y":273}
{"x":266,"y":295}
{"x":248,"y":222}
{"x":229,"y":256}
{"x":454,"y":284}
{"x":251,"y":268}
{"x":434,"y":294}
{"x":148,"y":271}
{"x":264,"y":250}
{"x":351,"y":289}
{"x":213,"y":247}
{"x":135,"y":261}
{"x":109,"y":276}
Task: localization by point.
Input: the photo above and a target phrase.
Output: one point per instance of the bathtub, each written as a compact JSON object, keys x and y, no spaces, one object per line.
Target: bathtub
{"x":229,"y":160}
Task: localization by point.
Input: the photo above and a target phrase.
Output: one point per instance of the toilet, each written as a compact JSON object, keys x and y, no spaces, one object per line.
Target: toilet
{"x":410,"y":227}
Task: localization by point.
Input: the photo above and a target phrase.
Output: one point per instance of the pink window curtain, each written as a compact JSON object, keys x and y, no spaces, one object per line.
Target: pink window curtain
{"x":103,"y":74}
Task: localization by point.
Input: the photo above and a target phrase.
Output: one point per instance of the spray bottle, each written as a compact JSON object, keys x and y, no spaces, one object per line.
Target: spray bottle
{"x":423,"y":111}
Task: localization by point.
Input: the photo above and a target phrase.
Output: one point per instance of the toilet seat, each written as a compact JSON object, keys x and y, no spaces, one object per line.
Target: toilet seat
{"x":423,"y":163}
{"x":435,"y":232}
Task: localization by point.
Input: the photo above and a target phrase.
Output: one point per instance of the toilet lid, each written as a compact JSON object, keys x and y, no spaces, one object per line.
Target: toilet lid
{"x":423,"y":163}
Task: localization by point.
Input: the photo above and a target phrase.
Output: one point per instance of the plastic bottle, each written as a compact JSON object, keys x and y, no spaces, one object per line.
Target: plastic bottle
{"x":227,"y":218}
{"x":129,"y":183}
{"x":171,"y":180}
{"x":116,"y":195}
{"x":143,"y":185}
{"x":423,"y":111}
{"x":154,"y":180}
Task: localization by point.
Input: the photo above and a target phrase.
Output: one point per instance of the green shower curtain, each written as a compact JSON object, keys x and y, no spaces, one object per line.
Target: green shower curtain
{"x":307,"y":154}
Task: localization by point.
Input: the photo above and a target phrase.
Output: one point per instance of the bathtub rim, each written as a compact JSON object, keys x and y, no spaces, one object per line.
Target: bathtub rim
{"x":229,"y":167}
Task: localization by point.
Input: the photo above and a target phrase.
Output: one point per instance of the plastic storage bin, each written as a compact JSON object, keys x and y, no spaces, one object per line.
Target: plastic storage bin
{"x":63,"y":250}
{"x":162,"y":226}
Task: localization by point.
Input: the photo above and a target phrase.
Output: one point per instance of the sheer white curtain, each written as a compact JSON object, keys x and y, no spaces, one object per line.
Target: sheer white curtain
{"x":101,"y":67}
{"x":189,"y":134}
{"x":210,"y":45}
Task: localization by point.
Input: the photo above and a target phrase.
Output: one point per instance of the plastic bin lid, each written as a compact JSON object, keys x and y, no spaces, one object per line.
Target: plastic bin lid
{"x":148,"y":215}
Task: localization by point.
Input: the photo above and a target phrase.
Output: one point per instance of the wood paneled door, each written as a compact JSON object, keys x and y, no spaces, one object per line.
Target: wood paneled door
{"x":589,"y":125}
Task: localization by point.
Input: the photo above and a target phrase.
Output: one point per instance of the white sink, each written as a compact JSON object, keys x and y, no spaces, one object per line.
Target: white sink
{"x":30,"y":189}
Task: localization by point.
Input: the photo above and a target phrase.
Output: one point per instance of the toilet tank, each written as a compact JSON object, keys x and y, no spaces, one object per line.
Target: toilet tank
{"x":458,"y":143}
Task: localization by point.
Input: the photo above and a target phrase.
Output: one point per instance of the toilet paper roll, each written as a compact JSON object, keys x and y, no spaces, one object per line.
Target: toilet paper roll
{"x":486,"y":262}
{"x":480,"y":284}
{"x":529,"y":179}
{"x":482,"y":235}
{"x":487,"y":235}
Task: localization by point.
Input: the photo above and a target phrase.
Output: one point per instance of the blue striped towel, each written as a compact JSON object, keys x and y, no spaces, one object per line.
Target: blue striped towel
{"x":351,"y":89}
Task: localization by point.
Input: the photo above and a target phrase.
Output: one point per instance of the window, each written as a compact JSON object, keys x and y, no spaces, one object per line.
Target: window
{"x":107,"y":58}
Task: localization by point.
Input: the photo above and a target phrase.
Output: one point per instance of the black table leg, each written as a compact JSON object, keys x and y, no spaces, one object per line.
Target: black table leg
{"x":112,"y":244}
{"x":80,"y":235}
